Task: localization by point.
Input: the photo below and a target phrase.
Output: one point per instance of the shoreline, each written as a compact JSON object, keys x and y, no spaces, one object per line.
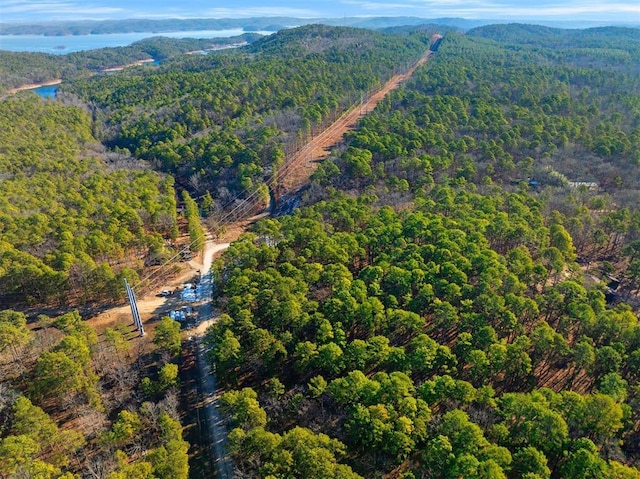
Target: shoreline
{"x":33,"y":86}
{"x":122,"y":67}
{"x":216,"y":48}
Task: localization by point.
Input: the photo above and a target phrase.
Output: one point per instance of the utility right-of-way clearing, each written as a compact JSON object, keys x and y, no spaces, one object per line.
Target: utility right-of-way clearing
{"x":293,"y":175}
{"x":316,"y":149}
{"x":290,"y":178}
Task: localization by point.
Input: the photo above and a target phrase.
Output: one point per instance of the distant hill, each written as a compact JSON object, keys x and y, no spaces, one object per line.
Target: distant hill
{"x":269,"y":24}
{"x":538,"y":34}
{"x":619,"y":38}
{"x":90,"y":27}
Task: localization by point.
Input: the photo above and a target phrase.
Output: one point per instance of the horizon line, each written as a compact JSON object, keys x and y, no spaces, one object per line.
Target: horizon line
{"x":524,"y":20}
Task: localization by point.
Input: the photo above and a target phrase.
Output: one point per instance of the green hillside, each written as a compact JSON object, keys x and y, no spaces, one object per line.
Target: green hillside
{"x":456,"y":296}
{"x":426,"y":308}
{"x":74,"y":219}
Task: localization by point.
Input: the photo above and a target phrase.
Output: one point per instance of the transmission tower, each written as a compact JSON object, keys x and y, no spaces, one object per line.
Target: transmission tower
{"x":134,"y":308}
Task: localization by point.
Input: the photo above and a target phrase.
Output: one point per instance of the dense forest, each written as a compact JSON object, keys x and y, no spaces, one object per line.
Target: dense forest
{"x":456,"y":297}
{"x":79,"y":215}
{"x":74,"y":219}
{"x":222,"y":124}
{"x":63,"y":373}
{"x":424,"y":315}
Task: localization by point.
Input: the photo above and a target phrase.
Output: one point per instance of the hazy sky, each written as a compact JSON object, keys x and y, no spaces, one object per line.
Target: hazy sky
{"x":627,"y":11}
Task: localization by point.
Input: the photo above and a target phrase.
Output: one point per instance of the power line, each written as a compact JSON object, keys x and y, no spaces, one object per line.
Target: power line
{"x":297,"y":159}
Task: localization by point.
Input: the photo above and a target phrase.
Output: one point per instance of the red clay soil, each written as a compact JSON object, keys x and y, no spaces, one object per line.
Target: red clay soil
{"x":293,"y":175}
{"x":299,"y":167}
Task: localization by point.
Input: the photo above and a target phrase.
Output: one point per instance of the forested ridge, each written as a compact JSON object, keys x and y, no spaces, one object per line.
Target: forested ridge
{"x":79,"y":216}
{"x":436,"y":309}
{"x":222,"y":123}
{"x":424,"y":315}
{"x":21,"y":68}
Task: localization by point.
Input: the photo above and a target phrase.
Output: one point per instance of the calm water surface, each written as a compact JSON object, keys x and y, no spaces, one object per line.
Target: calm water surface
{"x":47,"y":91}
{"x":75,"y":43}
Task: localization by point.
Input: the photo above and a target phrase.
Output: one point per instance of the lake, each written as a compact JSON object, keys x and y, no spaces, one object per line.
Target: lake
{"x":48,"y":91}
{"x":75,"y":43}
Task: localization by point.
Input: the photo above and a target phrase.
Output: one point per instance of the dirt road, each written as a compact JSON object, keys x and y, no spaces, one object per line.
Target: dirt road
{"x":293,"y":176}
{"x":149,"y":306}
{"x":216,"y":425}
{"x":316,"y":149}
